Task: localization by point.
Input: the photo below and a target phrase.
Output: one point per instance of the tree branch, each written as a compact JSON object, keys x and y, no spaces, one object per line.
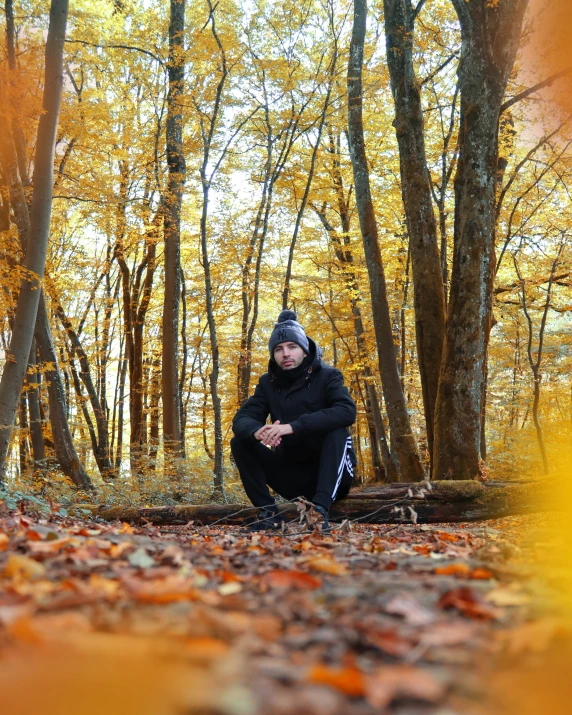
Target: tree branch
{"x":118,"y":47}
{"x":535,"y":88}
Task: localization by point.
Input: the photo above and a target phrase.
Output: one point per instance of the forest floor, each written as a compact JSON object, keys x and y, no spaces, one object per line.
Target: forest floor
{"x":100,"y":618}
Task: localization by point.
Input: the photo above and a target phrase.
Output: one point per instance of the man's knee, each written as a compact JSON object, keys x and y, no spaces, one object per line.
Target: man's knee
{"x":237,"y":444}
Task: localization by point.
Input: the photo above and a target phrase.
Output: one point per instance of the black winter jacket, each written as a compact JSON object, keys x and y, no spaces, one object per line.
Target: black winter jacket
{"x":316,"y":403}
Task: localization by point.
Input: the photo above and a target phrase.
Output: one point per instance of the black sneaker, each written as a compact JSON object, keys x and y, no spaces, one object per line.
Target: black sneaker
{"x":268,"y":520}
{"x":325,"y":523}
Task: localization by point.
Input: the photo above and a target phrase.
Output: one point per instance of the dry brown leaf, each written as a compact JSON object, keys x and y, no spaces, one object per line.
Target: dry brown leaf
{"x":397,"y":682}
{"x":448,"y":634}
{"x":469,"y":603}
{"x":507,"y":596}
{"x":407,"y":606}
{"x":389,"y":641}
{"x":49,"y":547}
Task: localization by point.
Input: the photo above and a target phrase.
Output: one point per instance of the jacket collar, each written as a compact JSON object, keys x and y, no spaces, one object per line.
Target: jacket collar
{"x":312,"y":365}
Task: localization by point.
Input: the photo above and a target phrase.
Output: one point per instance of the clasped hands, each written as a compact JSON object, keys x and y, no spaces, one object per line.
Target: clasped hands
{"x":271,"y":435}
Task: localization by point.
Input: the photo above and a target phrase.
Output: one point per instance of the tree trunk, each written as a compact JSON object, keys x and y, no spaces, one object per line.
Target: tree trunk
{"x":172,"y":228}
{"x":36,"y":433}
{"x":35,"y":263}
{"x":429,"y":300}
{"x":384,"y":464}
{"x":64,"y":446}
{"x":490,"y":37}
{"x":402,"y":440}
{"x":23,"y":429}
{"x":154,"y":398}
{"x":101,"y":444}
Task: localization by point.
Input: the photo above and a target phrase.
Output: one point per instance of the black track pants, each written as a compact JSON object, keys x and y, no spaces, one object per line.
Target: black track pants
{"x":324,"y":478}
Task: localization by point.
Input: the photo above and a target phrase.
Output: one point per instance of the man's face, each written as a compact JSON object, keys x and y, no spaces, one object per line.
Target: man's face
{"x":288,"y":355}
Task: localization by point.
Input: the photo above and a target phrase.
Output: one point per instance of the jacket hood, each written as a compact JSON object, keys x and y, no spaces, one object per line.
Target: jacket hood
{"x":315,"y":363}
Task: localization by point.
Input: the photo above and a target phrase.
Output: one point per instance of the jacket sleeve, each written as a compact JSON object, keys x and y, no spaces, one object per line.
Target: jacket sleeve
{"x":340,"y":413}
{"x":252,"y":415}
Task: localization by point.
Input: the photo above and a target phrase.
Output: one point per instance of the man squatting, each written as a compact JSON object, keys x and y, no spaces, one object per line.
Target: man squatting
{"x":311,"y":451}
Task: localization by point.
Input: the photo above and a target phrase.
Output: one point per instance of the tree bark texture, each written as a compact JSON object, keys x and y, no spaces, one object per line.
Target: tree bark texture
{"x":64,"y":447}
{"x":100,"y":443}
{"x":429,"y":300}
{"x":402,"y":440}
{"x":383,"y":462}
{"x":36,"y":434}
{"x":393,"y":504}
{"x":490,"y":35}
{"x":27,"y":306}
{"x":207,"y":177}
{"x":172,"y":231}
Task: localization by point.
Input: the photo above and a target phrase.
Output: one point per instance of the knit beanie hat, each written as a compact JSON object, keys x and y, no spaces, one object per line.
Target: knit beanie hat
{"x":288,"y":329}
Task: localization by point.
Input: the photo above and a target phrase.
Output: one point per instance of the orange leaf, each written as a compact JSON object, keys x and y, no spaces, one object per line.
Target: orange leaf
{"x":348,"y":680}
{"x":163,"y":590}
{"x":205,"y":650}
{"x":292,"y":579}
{"x":4,"y":540}
{"x":463,"y":569}
{"x":458,"y":569}
{"x":445,"y":536}
{"x":326,"y":564}
{"x":49,"y":547}
{"x":117,"y":550}
{"x":23,"y":567}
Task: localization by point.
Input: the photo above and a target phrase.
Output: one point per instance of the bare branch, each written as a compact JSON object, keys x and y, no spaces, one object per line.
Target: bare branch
{"x":535,"y":88}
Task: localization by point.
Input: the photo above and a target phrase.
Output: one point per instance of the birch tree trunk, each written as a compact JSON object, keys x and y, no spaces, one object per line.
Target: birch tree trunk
{"x":172,"y":229}
{"x":402,"y":440}
{"x":429,"y":297}
{"x":490,"y":35}
{"x":35,"y":263}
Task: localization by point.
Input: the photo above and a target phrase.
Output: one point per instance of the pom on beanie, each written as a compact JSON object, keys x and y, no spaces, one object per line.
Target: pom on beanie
{"x":288,"y":329}
{"x":287,"y":315}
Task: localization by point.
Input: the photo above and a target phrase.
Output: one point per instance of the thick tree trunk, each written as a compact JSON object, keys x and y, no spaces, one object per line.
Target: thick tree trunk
{"x":172,"y":229}
{"x":25,"y":318}
{"x":490,"y":37}
{"x":402,"y":440}
{"x":429,"y":297}
{"x":446,"y":502}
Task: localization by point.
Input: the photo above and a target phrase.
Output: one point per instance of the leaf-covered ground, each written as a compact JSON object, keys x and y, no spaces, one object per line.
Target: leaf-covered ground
{"x":99,"y":618}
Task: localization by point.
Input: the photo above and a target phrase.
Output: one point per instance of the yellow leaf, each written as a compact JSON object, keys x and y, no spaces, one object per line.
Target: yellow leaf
{"x":23,"y":567}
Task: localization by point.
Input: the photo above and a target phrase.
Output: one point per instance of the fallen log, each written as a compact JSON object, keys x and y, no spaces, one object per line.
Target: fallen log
{"x":423,"y":503}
